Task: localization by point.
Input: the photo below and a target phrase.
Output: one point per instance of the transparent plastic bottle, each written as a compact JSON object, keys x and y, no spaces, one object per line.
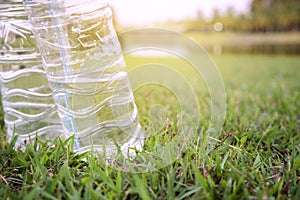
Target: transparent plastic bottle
{"x":27,"y":100}
{"x":86,"y":69}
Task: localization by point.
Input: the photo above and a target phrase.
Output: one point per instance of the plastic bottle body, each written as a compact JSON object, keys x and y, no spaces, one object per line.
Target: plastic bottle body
{"x":86,"y":70}
{"x":28,"y":106}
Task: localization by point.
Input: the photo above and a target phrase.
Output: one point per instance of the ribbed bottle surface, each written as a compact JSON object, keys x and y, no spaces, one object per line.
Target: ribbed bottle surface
{"x":26,"y":97}
{"x":86,"y":70}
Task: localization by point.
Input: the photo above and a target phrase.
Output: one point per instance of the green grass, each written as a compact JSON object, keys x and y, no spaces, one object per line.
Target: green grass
{"x":256,"y":157}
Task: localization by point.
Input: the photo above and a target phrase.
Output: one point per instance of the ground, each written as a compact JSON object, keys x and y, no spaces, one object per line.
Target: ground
{"x":256,"y":156}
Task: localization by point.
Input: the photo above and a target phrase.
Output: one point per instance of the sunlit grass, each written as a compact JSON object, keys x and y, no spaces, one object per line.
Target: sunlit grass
{"x":256,"y":157}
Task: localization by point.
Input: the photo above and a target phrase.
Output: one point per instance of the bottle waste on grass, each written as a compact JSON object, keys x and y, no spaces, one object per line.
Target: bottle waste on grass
{"x":28,"y":106}
{"x":86,"y":70}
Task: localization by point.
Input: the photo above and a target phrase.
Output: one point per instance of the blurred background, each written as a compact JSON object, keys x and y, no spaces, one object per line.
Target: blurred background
{"x":255,"y":45}
{"x":227,"y":26}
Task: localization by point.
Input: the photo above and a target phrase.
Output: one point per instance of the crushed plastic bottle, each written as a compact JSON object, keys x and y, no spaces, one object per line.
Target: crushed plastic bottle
{"x":28,"y":106}
{"x":86,"y":70}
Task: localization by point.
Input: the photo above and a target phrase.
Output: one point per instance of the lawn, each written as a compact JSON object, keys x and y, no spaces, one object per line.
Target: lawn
{"x":256,"y":156}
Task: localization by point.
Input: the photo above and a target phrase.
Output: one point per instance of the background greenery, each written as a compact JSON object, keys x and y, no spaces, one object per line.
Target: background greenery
{"x":264,"y":16}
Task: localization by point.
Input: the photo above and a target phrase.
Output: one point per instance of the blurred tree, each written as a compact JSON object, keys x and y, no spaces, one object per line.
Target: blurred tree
{"x":275,"y":15}
{"x":197,"y":24}
{"x":216,"y":15}
{"x":229,"y":20}
{"x":264,"y":16}
{"x":199,"y":15}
